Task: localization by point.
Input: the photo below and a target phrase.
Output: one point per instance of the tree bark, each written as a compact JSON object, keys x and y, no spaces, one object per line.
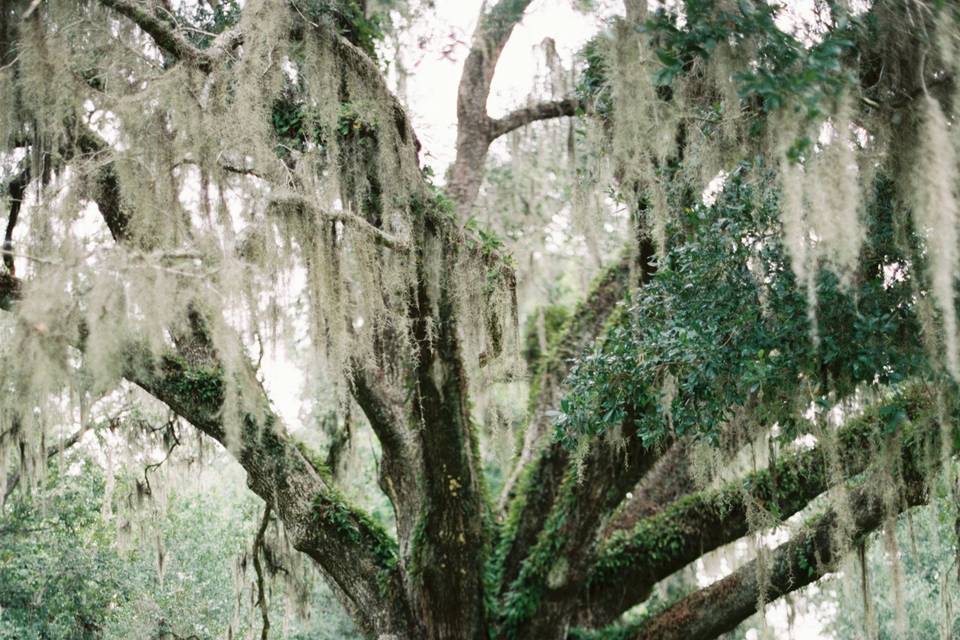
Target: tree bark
{"x":633,"y":561}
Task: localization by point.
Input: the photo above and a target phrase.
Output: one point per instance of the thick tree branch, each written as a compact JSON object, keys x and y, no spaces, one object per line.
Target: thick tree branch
{"x":631,"y":562}
{"x":547,"y":387}
{"x":399,"y":478}
{"x":350,"y":549}
{"x":543,"y":468}
{"x":541,"y":111}
{"x":473,"y":123}
{"x":669,"y":480}
{"x":537,"y":603}
{"x":803,"y":559}
{"x":171,"y":40}
{"x":448,"y":554}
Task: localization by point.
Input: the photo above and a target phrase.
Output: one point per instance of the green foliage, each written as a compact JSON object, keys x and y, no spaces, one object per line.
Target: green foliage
{"x":296,"y":125}
{"x":784,"y":70}
{"x":60,"y":576}
{"x":724,"y":325}
{"x":190,"y":385}
{"x":593,"y":85}
{"x":202,"y":536}
{"x":352,"y":124}
{"x":359,"y":528}
{"x":63,"y":575}
{"x":291,"y":123}
{"x":348,"y":17}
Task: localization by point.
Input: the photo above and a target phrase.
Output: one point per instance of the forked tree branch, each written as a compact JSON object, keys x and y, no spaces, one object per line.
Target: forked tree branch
{"x":473,"y":122}
{"x":399,"y":476}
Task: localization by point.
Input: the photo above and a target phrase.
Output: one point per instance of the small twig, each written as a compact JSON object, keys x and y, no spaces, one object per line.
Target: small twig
{"x":305,"y":18}
{"x":262,"y":349}
{"x":11,"y":63}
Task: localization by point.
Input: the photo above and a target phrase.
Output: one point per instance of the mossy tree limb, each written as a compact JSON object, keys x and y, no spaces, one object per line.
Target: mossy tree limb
{"x":631,"y":562}
{"x":807,"y":556}
{"x":447,"y":551}
{"x":611,"y":287}
{"x":537,"y":603}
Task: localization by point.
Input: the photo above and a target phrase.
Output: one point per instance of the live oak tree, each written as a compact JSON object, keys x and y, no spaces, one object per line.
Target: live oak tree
{"x":185,"y":185}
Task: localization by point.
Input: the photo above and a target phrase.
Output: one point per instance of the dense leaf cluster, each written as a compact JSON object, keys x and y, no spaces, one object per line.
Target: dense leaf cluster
{"x":724,"y":326}
{"x":785,"y":70}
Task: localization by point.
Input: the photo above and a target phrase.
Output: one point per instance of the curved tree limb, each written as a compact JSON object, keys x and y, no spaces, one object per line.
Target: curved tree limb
{"x":540,"y":111}
{"x":352,"y":551}
{"x":803,"y":559}
{"x":171,"y":40}
{"x":398,"y":471}
{"x":631,"y":562}
{"x":540,"y":472}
